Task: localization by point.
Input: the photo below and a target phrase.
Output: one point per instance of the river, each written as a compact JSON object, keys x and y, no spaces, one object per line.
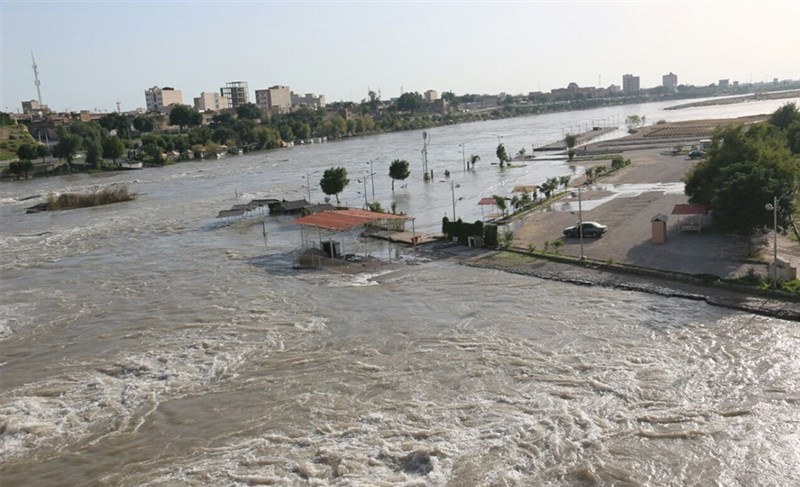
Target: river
{"x":147,"y":343}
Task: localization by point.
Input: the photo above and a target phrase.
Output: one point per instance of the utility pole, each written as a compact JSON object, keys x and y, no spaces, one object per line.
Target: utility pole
{"x":118,"y":109}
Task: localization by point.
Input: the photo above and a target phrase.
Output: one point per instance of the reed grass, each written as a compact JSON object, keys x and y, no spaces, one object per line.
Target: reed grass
{"x":105,"y":196}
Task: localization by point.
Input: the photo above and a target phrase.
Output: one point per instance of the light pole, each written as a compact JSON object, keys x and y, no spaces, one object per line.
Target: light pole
{"x":463,"y":157}
{"x":580,"y":222}
{"x":308,"y":186}
{"x":773,"y":207}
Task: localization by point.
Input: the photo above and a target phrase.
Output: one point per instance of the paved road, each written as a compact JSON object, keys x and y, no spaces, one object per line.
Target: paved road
{"x":629,"y":199}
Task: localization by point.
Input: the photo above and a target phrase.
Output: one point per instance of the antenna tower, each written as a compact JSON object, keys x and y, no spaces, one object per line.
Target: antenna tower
{"x":36,"y":79}
{"x":118,"y":110}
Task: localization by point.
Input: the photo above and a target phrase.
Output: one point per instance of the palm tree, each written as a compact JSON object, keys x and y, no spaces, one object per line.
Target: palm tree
{"x":473,"y":159}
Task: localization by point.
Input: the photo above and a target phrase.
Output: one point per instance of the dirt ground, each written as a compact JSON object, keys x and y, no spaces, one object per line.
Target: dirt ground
{"x":629,"y":199}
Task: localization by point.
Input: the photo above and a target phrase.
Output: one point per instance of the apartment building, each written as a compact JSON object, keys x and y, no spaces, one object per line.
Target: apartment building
{"x":670,"y":81}
{"x":159,"y":99}
{"x":275,"y":100}
{"x":630,"y":84}
{"x":236,"y":92}
{"x":210,"y":101}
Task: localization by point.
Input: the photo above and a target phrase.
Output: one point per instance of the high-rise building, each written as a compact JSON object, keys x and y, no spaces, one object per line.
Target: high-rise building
{"x":210,"y":102}
{"x":630,"y":84}
{"x":431,"y":95}
{"x":275,"y":100}
{"x":670,"y":81}
{"x":159,"y":99}
{"x":236,"y":92}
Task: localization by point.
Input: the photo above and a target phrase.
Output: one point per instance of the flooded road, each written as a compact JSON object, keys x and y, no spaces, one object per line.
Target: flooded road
{"x":146,"y":343}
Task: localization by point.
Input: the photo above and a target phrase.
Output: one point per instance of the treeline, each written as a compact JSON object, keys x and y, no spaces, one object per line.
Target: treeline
{"x":748,"y":167}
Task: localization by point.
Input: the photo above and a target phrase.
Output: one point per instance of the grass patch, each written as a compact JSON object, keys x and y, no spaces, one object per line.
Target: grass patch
{"x":105,"y":196}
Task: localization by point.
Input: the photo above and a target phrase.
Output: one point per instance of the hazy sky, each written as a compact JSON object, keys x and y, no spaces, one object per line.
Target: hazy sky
{"x":91,"y":54}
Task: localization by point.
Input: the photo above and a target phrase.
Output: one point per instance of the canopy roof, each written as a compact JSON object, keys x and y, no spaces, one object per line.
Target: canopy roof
{"x":689,"y":209}
{"x":487,"y":202}
{"x":525,"y":188}
{"x":340,"y":220}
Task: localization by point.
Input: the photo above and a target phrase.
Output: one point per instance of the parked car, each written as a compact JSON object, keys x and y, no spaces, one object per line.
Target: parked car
{"x":590,"y":229}
{"x":696,"y":154}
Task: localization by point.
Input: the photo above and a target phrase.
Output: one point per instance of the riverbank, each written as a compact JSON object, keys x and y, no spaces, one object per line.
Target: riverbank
{"x":764,"y":303}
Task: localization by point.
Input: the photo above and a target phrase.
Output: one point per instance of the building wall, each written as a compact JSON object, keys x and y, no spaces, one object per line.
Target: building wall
{"x":308,"y":100}
{"x":210,"y":101}
{"x":431,"y":95}
{"x":279,"y":99}
{"x":630,"y":84}
{"x":237,"y":93}
{"x":670,"y":81}
{"x":158,"y":99}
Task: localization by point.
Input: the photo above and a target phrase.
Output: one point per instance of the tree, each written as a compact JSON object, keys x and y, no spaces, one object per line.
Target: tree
{"x":473,"y":159}
{"x":116,"y":121}
{"x":185,"y":116}
{"x":249,"y":111}
{"x":143,"y":124}
{"x":27,"y":152}
{"x":67,"y":146}
{"x":113,"y":147}
{"x":42,"y":151}
{"x":409,"y":102}
{"x":333,"y":181}
{"x":20,"y":168}
{"x":745,"y":168}
{"x":500,"y":201}
{"x":286,"y":133}
{"x":634,"y":121}
{"x":398,"y":170}
{"x":502,"y":155}
{"x":94,"y":152}
{"x":570,"y":141}
{"x":785,"y":116}
{"x":564,"y":180}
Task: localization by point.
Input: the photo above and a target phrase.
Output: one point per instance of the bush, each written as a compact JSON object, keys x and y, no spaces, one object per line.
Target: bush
{"x":105,"y":196}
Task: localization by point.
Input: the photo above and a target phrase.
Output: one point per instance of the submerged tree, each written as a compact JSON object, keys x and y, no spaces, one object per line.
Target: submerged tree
{"x":398,"y":170}
{"x":474,"y":158}
{"x":333,"y":181}
{"x":502,"y":155}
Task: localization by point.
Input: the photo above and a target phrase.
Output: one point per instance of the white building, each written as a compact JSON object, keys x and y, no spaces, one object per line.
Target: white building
{"x":158,"y":99}
{"x":213,"y":102}
{"x":670,"y":81}
{"x":275,"y":100}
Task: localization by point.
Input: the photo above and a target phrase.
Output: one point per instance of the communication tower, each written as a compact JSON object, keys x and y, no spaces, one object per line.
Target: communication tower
{"x":36,"y":79}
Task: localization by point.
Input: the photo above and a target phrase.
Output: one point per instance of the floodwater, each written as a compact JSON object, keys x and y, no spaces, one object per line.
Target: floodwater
{"x":146,"y":343}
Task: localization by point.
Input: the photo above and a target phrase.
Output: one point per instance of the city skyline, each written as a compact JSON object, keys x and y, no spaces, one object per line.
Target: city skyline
{"x":91,"y":54}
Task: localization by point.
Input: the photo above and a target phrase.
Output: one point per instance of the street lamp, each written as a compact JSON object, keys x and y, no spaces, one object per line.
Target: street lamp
{"x":463,"y":157}
{"x":308,"y":185}
{"x":580,"y":222}
{"x":773,"y":207}
{"x":453,"y":197}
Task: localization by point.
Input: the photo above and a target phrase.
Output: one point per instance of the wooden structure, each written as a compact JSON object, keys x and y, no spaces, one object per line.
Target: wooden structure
{"x":338,"y":222}
{"x":691,"y":217}
{"x":659,"y":229}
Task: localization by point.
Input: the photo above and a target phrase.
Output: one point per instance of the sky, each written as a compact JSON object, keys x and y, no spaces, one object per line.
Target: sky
{"x":92,"y":54}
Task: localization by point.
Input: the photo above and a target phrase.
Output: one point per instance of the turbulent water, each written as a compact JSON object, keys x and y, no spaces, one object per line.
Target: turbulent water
{"x":146,"y":343}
